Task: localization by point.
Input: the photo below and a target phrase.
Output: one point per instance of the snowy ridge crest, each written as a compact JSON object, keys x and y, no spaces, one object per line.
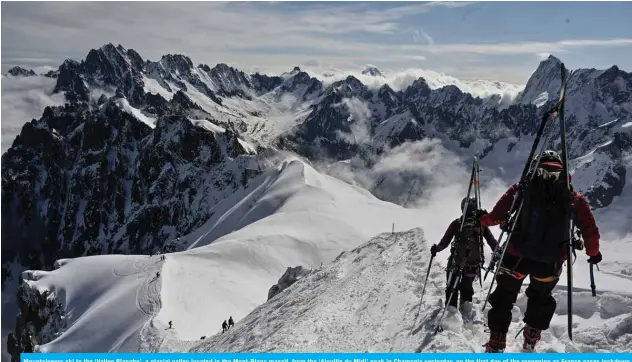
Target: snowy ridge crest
{"x":367,"y":299}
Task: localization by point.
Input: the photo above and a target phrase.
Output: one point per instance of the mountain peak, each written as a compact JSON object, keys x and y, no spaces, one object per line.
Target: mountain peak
{"x":372,"y":71}
{"x":178,"y":60}
{"x":18,"y":71}
{"x":551,"y":59}
{"x":544,"y":83}
{"x":108,"y":47}
{"x":350,"y":81}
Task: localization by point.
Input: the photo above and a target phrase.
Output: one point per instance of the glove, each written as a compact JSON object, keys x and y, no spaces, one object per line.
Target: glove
{"x":596,"y":259}
{"x":433,"y":250}
{"x":480,"y":213}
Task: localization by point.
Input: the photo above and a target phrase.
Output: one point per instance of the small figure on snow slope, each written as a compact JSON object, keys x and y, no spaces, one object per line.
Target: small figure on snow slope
{"x":224,"y":327}
{"x":466,"y":251}
{"x":231,"y":323}
{"x":536,"y":248}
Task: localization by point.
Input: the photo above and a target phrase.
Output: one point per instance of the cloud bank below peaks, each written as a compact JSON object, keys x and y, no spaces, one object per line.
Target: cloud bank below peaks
{"x":25,"y":98}
{"x":401,"y":79}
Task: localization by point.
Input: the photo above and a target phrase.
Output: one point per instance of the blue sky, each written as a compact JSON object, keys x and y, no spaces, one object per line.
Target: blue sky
{"x":469,"y":40}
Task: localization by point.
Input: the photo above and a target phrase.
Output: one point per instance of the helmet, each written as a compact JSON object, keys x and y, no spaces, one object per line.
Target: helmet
{"x":471,"y":206}
{"x":550,"y":156}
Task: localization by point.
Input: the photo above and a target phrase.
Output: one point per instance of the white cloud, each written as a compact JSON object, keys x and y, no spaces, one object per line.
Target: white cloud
{"x":359,"y":119}
{"x":423,"y":175}
{"x":521,"y":47}
{"x":24,"y":98}
{"x":427,"y":37}
{"x":401,"y":79}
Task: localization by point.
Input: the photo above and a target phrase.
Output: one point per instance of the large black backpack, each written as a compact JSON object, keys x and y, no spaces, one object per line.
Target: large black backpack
{"x":467,"y":249}
{"x":540,"y":233}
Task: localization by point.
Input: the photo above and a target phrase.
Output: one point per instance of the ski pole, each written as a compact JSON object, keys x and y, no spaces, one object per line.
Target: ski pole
{"x":423,"y":290}
{"x":593,"y":288}
{"x":453,"y":285}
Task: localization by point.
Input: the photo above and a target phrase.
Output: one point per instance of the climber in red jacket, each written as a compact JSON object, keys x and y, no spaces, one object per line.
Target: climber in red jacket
{"x":537,"y":253}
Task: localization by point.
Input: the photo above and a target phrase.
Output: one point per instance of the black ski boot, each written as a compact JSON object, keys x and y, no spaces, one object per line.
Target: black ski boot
{"x":497,"y":342}
{"x":531,"y":337}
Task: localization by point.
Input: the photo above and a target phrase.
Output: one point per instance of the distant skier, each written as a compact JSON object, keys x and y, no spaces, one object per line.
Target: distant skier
{"x":230,"y":322}
{"x":224,"y":327}
{"x":537,"y":249}
{"x":469,"y":238}
{"x":157,"y":275}
{"x":170,"y":325}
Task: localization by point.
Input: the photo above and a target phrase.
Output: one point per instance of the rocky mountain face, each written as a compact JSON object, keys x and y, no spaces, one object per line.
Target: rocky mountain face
{"x":41,"y":319}
{"x":349,"y":119}
{"x":84,"y":181}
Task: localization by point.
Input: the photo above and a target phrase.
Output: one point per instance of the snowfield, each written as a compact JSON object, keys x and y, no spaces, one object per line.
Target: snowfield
{"x":108,"y":299}
{"x":365,"y":299}
{"x":295,"y":217}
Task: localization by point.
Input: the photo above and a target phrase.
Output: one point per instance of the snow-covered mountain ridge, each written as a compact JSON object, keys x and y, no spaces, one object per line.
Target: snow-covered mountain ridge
{"x":367,"y":299}
{"x":256,"y":241}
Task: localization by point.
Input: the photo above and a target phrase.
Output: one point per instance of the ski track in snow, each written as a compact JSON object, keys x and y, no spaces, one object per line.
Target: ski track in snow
{"x":147,"y":296}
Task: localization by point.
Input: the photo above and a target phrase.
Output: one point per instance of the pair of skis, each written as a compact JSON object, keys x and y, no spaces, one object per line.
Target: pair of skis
{"x":527,"y":174}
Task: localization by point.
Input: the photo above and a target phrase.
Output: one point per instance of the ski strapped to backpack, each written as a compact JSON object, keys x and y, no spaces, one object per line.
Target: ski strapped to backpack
{"x":455,"y":266}
{"x":568,"y":232}
{"x":477,"y":195}
{"x":512,"y":216}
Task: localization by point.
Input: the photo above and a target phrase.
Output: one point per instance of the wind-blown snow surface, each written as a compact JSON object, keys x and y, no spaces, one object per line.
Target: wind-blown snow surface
{"x":368,"y":300}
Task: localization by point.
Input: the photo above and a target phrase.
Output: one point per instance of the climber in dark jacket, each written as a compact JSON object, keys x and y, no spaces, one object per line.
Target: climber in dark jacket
{"x":473,"y":257}
{"x":224,"y":327}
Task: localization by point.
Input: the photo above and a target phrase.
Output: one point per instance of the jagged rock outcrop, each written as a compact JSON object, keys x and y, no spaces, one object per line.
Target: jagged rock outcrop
{"x":81,"y":181}
{"x":41,"y":319}
{"x":288,"y":278}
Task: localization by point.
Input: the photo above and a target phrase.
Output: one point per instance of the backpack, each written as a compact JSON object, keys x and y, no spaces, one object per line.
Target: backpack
{"x":468,"y":238}
{"x":540,"y":230}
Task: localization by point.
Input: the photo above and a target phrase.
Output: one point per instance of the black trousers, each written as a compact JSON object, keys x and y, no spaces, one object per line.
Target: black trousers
{"x":540,"y":304}
{"x":465,"y":287}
